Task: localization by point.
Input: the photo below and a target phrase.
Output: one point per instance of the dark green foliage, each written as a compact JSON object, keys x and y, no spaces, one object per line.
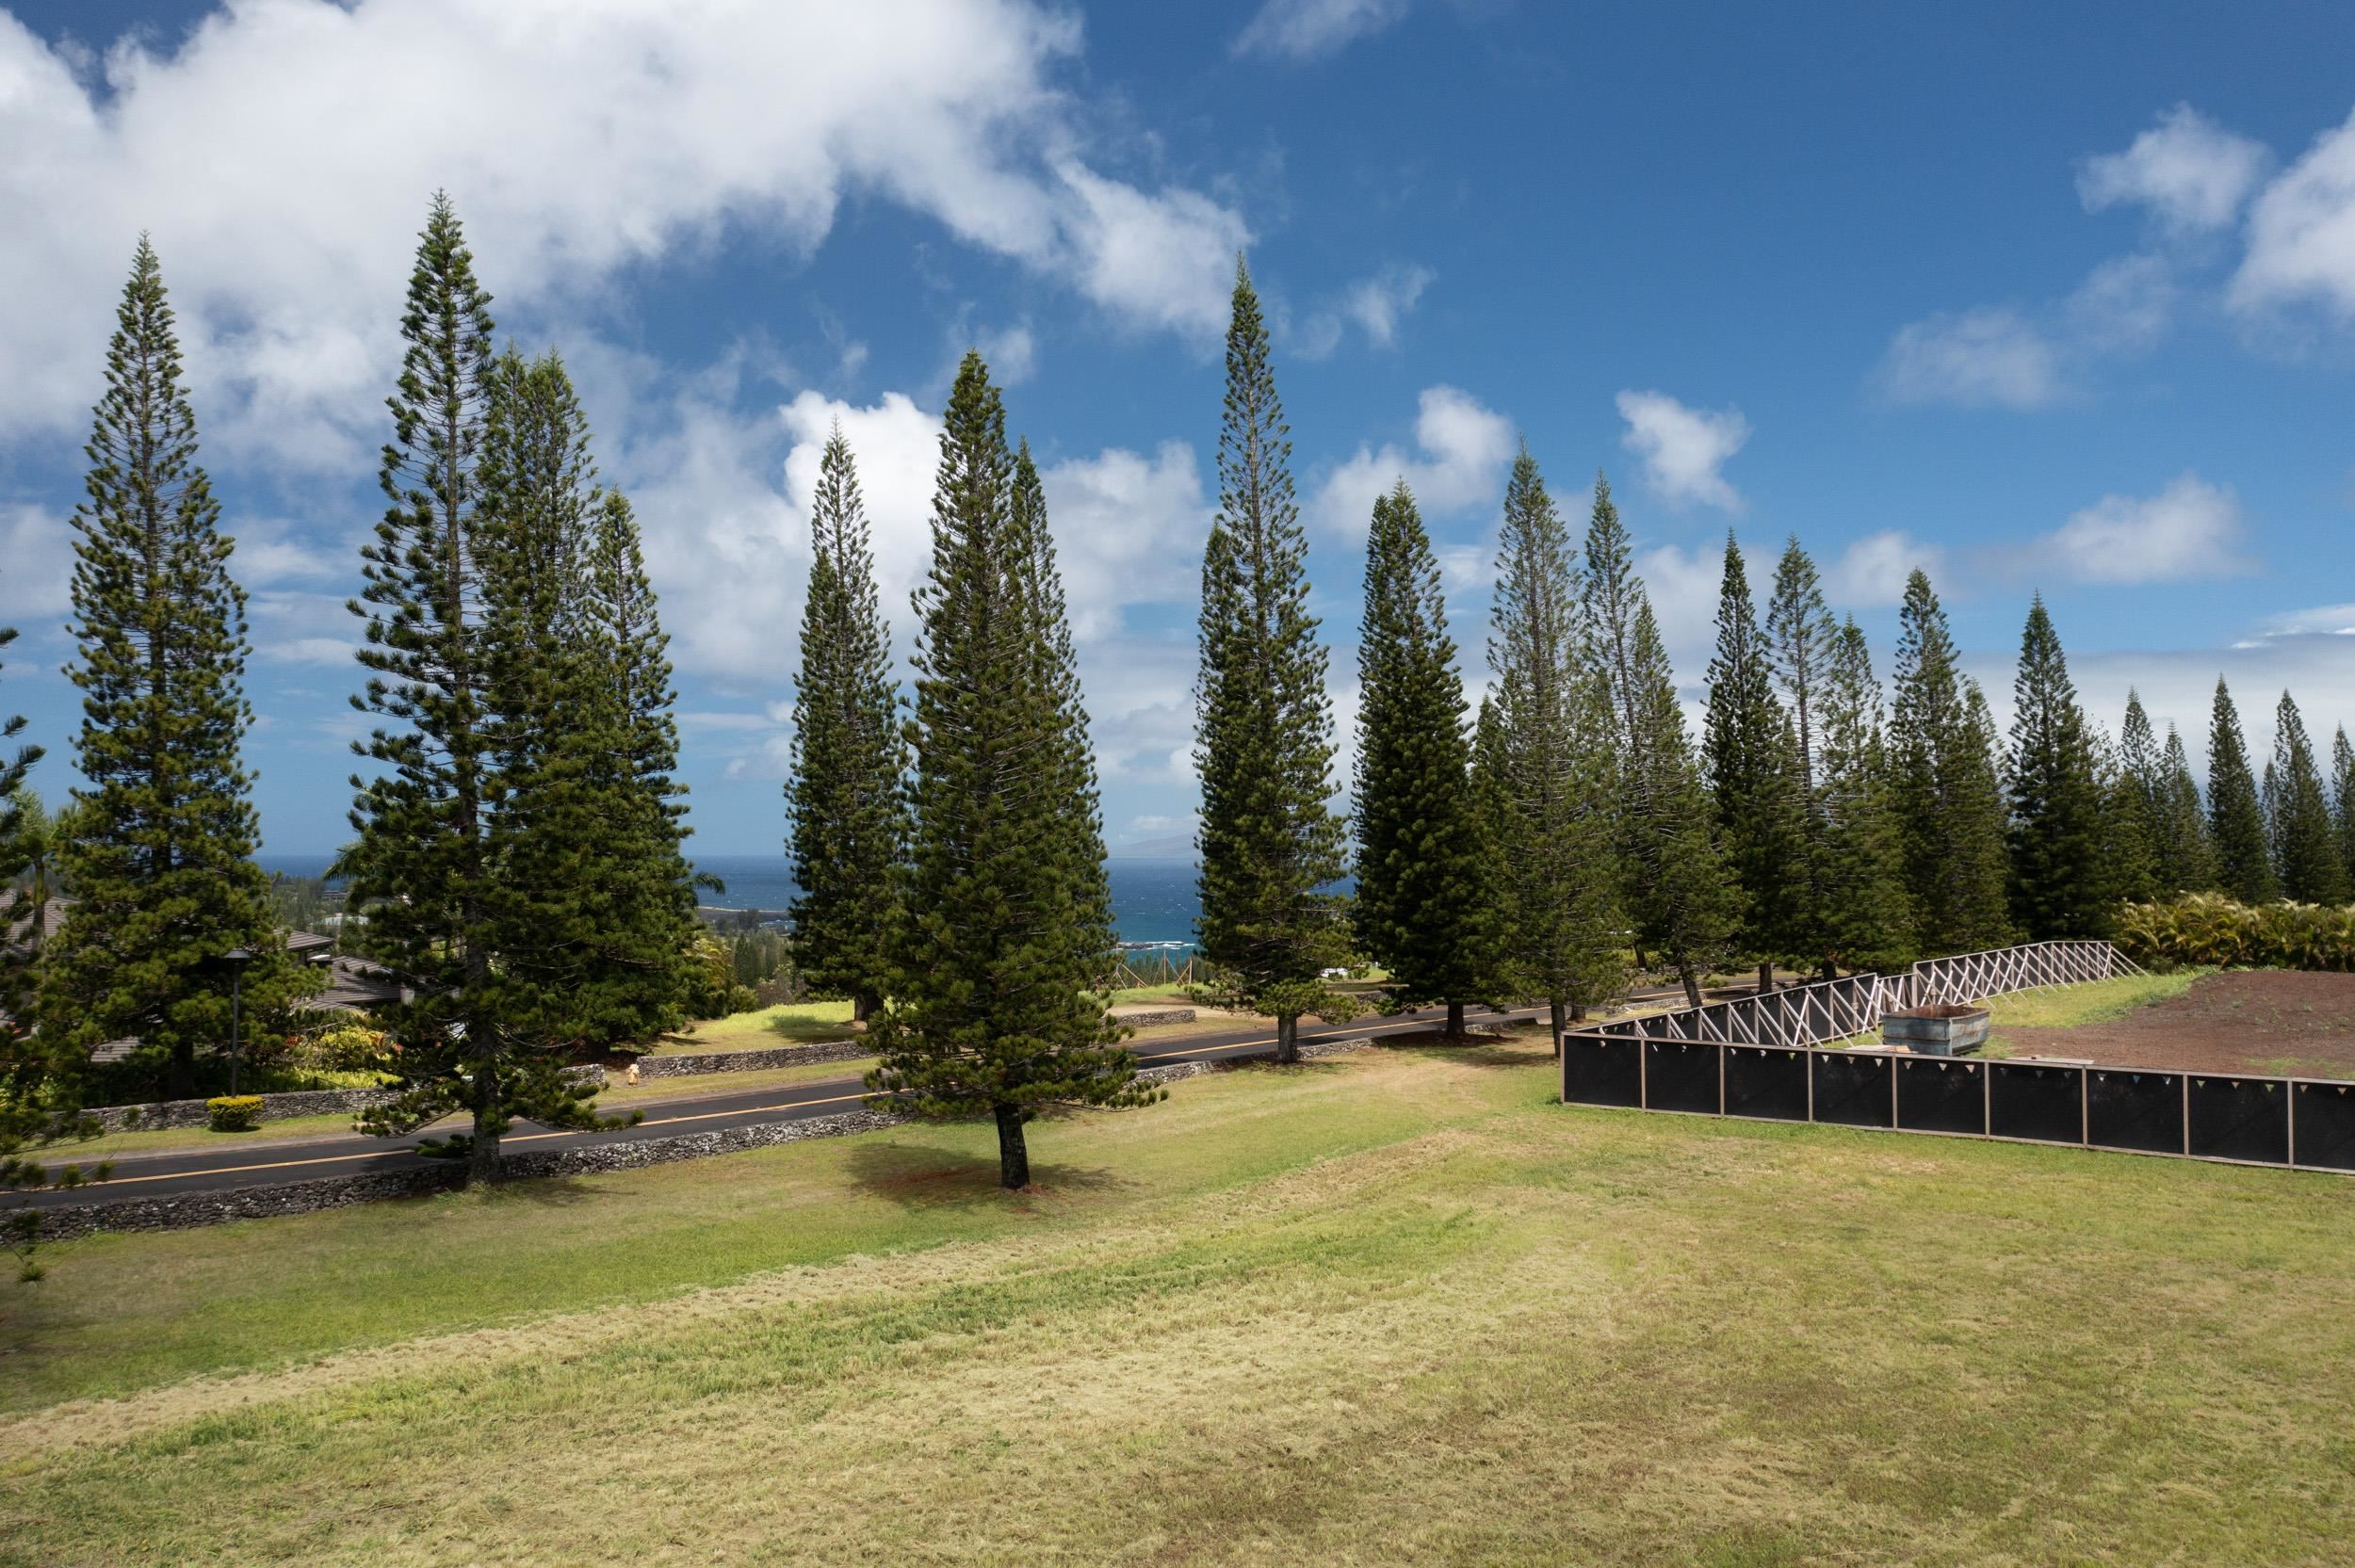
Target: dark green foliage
{"x":1758,"y":778}
{"x":159,"y":854}
{"x":1675,"y":883}
{"x":2061,"y":872}
{"x":1800,"y":638}
{"x":1263,"y":724}
{"x":2306,"y":846}
{"x":994,"y":1001}
{"x":1948,"y":801}
{"x":1544,"y":747}
{"x":1423,"y":910}
{"x":845,"y":809}
{"x":2183,"y":860}
{"x":423,"y":864}
{"x":1868,"y":920}
{"x":2135,"y":787}
{"x":2236,"y":823}
{"x":592,"y":912}
{"x":2343,"y":799}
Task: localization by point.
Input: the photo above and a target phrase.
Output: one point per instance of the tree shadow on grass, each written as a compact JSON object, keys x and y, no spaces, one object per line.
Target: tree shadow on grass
{"x":916,"y":1175}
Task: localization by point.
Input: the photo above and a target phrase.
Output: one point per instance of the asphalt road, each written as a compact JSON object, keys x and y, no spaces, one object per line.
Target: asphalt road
{"x":213,"y":1167}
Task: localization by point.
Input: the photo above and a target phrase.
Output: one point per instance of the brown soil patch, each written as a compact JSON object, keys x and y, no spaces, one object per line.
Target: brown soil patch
{"x":2264,"y":1022}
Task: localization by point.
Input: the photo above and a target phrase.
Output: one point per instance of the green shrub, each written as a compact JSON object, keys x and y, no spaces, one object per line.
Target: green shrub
{"x":2211,"y":931}
{"x":343,"y":1048}
{"x":233,"y":1112}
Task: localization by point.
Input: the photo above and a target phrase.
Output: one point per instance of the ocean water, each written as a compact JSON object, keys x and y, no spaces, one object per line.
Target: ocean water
{"x":1153,"y":900}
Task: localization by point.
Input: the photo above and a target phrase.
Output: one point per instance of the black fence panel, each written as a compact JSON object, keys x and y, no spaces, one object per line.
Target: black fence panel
{"x":1939,"y":1094}
{"x":1601,"y":1072}
{"x":1852,"y":1090}
{"x":1680,"y":1078}
{"x":1766,"y":1081}
{"x":2240,"y":1119}
{"x":2326,"y":1125}
{"x":2129,"y":1109}
{"x":2025,"y":1100}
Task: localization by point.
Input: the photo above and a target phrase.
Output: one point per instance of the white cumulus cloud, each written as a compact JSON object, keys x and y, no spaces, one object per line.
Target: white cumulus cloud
{"x":1991,"y":357}
{"x":2302,"y":232}
{"x":281,"y":155}
{"x":1684,"y":449}
{"x":1462,"y":448}
{"x":2191,"y":173}
{"x":1872,"y":570}
{"x":2189,"y":529}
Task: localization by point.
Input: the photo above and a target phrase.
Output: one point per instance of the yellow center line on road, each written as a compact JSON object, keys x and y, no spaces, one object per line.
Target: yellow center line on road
{"x":650,"y":1121}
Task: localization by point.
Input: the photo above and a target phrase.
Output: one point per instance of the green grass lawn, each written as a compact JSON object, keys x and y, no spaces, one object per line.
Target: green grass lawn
{"x":1392,"y":1307}
{"x":788,"y":1024}
{"x":2094,"y":1002}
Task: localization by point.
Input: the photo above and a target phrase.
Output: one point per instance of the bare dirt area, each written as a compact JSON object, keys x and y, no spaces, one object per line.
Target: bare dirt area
{"x":2273,"y":1022}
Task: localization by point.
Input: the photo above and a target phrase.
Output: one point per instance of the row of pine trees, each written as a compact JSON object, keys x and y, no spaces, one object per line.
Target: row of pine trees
{"x":518,"y":840}
{"x":518,"y":843}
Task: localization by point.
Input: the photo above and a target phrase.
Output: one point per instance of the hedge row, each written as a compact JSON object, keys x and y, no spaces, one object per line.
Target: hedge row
{"x":2210,"y":929}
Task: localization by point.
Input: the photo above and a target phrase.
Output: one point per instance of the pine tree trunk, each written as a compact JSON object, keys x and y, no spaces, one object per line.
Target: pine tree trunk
{"x":1765,"y":977}
{"x":1561,"y":1022}
{"x":1692,"y":979}
{"x":1288,"y":1036}
{"x":1455,"y":1020}
{"x":1014,"y":1154}
{"x":862,"y":1008}
{"x":183,"y":1069}
{"x":1830,"y":971}
{"x":482,"y":1153}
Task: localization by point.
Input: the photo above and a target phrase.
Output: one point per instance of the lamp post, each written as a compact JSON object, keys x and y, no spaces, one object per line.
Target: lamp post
{"x":236,"y":958}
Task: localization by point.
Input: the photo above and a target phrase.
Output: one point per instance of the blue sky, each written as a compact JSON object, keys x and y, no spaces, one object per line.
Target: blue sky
{"x":2042,"y":297}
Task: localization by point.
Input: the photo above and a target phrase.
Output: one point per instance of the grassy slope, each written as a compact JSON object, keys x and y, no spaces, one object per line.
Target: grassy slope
{"x":1391,"y":1308}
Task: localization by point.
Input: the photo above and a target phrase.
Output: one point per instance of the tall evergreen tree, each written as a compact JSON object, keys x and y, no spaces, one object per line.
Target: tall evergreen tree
{"x":1676,"y":887}
{"x":2061,"y":873}
{"x":1801,"y":637}
{"x":845,"y":807}
{"x":1550,"y":762}
{"x":2236,"y":823}
{"x":1868,"y":921}
{"x":592,"y":912}
{"x":2343,"y":799}
{"x":423,"y":866}
{"x":1263,"y":723}
{"x":1948,"y":799}
{"x":2138,"y":786}
{"x":160,"y":855}
{"x":994,"y":1004}
{"x":2183,"y":860}
{"x":1423,"y":910}
{"x":2307,"y":848}
{"x":25,"y":1077}
{"x":1758,"y":781}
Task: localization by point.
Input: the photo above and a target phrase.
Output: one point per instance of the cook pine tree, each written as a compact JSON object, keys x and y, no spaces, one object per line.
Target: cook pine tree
{"x":1800,"y":636}
{"x":845,"y":807}
{"x":2136,"y":800}
{"x":1756,"y":780}
{"x":591,"y":912}
{"x":1946,"y":793}
{"x":1677,"y":891}
{"x":1549,"y":765}
{"x":2184,"y":858}
{"x":2306,"y":844}
{"x":1270,"y":842}
{"x":2062,"y":865}
{"x":1423,"y":910}
{"x":1868,"y":920}
{"x":2343,"y":800}
{"x":2236,"y":822}
{"x":994,"y":1004}
{"x":159,"y":856}
{"x":421,"y":866}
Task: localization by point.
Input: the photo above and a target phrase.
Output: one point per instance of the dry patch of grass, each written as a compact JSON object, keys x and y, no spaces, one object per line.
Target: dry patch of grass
{"x":1389,"y":1308}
